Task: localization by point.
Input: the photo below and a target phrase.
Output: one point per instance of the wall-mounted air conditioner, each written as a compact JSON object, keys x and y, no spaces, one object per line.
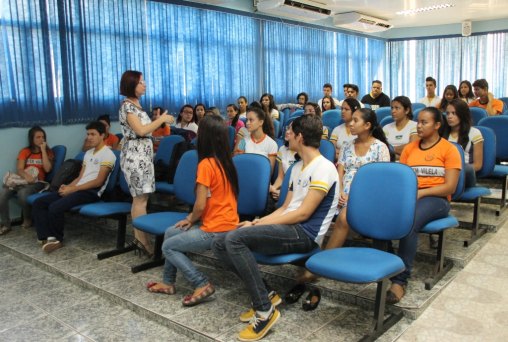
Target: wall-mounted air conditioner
{"x":360,"y":22}
{"x":303,"y":10}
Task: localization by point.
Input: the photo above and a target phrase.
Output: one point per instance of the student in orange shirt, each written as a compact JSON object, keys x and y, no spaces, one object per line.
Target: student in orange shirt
{"x":163,"y":131}
{"x":215,"y":211}
{"x":437,"y":165}
{"x":110,"y":140}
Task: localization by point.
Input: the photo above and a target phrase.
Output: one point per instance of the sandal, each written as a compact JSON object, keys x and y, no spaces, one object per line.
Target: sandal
{"x":312,"y":300}
{"x":392,"y":298}
{"x":295,"y":293}
{"x":155,"y":287}
{"x":206,"y":292}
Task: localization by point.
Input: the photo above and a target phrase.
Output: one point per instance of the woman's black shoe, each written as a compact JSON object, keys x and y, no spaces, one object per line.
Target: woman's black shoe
{"x":295,"y":293}
{"x":312,"y":300}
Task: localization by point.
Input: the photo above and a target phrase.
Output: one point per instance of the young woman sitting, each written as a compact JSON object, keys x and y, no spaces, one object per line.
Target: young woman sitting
{"x":403,"y":130}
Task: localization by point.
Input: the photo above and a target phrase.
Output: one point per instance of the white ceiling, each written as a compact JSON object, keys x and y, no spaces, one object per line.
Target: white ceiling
{"x":474,"y":10}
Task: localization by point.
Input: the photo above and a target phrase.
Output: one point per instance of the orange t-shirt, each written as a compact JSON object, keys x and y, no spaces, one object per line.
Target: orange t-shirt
{"x":111,"y":140}
{"x":34,"y":159}
{"x":498,"y":105}
{"x":160,"y":133}
{"x":221,"y":209}
{"x":430,"y":164}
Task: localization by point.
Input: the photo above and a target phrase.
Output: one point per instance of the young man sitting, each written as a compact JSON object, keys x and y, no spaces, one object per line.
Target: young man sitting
{"x":48,"y":211}
{"x":297,"y":227}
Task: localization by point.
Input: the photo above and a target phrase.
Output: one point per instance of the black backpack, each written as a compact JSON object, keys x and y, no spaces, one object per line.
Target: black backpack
{"x":178,"y":152}
{"x":69,"y":171}
{"x":185,"y":133}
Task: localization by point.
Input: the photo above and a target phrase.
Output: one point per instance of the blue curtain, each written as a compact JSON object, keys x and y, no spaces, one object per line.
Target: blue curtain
{"x":449,"y":61}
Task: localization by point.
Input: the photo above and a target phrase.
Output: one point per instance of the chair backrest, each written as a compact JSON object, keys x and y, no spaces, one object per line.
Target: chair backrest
{"x":231,"y":136}
{"x":383,"y":112}
{"x":80,"y":156}
{"x":417,"y":105}
{"x":166,"y":148}
{"x":477,"y":114}
{"x":59,"y":152}
{"x":499,"y":124}
{"x":185,"y":177}
{"x":382,"y":200}
{"x":332,"y":118}
{"x":284,"y":187}
{"x":254,"y":180}
{"x":276,"y":127}
{"x":113,"y":175}
{"x":386,"y":120}
{"x":505,"y":101}
{"x":296,"y":113}
{"x":327,"y":149}
{"x":461,"y":183}
{"x":489,"y":152}
{"x":416,"y":112}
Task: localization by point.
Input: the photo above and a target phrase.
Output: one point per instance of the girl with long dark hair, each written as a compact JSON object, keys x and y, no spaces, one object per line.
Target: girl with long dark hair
{"x":403,"y":129}
{"x":215,"y":211}
{"x":342,"y":133}
{"x":268,"y":105}
{"x":466,"y":92}
{"x":450,"y":93}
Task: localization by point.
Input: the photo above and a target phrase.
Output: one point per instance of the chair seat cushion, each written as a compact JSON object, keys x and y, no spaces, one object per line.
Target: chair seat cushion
{"x":280,"y":259}
{"x":470,"y":194}
{"x":500,"y":171}
{"x":158,"y":223}
{"x":355,"y":264}
{"x":103,"y":209}
{"x":165,"y":188}
{"x":31,"y":199}
{"x":439,"y":225}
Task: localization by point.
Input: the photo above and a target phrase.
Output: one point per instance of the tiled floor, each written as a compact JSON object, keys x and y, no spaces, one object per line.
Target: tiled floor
{"x":70,"y":295}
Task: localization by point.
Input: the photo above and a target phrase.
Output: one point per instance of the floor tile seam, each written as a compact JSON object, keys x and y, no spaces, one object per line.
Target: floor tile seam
{"x":325,"y":324}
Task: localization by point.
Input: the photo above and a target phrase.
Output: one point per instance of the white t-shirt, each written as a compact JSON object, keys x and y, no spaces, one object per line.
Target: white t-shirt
{"x":266,"y":146}
{"x":286,"y":158}
{"x":275,"y":114}
{"x":191,"y":126}
{"x":435,"y":102}
{"x":92,"y":163}
{"x":475,"y":136}
{"x":320,"y":174}
{"x":340,"y":136}
{"x":396,"y":137}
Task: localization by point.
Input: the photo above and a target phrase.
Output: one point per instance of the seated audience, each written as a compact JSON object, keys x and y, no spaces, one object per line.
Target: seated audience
{"x":352,"y":93}
{"x":285,"y":158}
{"x":459,"y":130}
{"x":376,"y":98}
{"x":301,"y":100}
{"x":213,"y":111}
{"x":242,"y":106}
{"x":163,"y":131}
{"x":234,"y":118}
{"x":110,"y":140}
{"x":49,"y":211}
{"x":259,"y":140}
{"x":312,"y":108}
{"x":403,"y":129}
{"x":450,"y":92}
{"x":328,"y":91}
{"x":342,"y":134}
{"x":199,"y":111}
{"x":186,"y":119}
{"x":431,"y":99}
{"x":297,"y":227}
{"x":33,"y":163}
{"x":215,"y":211}
{"x":485,"y":99}
{"x":268,"y":105}
{"x":327,"y":103}
{"x":466,"y":92}
{"x":437,"y":164}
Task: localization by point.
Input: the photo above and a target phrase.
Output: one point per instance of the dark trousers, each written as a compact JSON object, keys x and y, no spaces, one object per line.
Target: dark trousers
{"x":48,"y":211}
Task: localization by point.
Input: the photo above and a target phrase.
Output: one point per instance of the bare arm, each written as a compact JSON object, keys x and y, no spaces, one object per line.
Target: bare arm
{"x":478,"y":156}
{"x":197,"y":210}
{"x":142,"y":130}
{"x":93,"y":184}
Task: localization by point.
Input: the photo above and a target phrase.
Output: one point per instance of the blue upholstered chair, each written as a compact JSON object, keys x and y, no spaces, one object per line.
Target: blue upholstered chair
{"x":231,"y":136}
{"x":499,"y":125}
{"x":505,"y":101}
{"x":383,"y":112}
{"x":331,"y":119}
{"x":417,"y":105}
{"x":157,"y":223}
{"x":474,"y":194}
{"x":385,"y":121}
{"x":327,"y":149}
{"x":388,"y":219}
{"x":439,"y":226}
{"x":59,"y":151}
{"x":477,"y":114}
{"x":416,"y":112}
{"x":163,"y":156}
{"x":276,"y":127}
{"x":113,"y":210}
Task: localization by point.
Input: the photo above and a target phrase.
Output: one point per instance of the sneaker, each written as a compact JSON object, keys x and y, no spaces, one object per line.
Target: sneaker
{"x":41,"y":242}
{"x":247,"y":315}
{"x":259,"y":327}
{"x":4,"y":230}
{"x":51,"y":246}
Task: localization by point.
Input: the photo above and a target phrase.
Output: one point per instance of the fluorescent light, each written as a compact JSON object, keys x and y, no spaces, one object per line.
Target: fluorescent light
{"x":424,"y":9}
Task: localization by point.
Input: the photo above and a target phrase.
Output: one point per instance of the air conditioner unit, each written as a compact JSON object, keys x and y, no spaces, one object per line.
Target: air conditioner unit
{"x":303,"y":10}
{"x":360,"y":22}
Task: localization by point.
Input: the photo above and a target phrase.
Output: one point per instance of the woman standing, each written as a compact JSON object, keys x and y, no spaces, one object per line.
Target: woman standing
{"x":215,"y":211}
{"x":136,"y":158}
{"x":33,"y":163}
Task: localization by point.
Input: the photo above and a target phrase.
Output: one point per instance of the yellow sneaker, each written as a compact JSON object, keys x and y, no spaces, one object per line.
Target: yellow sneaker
{"x":259,"y":327}
{"x":247,"y":315}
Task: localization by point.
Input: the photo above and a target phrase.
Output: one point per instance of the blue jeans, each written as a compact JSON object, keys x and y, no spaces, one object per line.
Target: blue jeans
{"x":235,"y":249}
{"x":176,"y":243}
{"x":23,"y":191}
{"x":427,"y":209}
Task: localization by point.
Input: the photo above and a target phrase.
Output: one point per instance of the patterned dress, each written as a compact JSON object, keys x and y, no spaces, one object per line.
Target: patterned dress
{"x":136,"y":159}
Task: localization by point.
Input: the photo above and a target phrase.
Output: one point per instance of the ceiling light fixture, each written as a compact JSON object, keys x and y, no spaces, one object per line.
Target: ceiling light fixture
{"x":424,"y":9}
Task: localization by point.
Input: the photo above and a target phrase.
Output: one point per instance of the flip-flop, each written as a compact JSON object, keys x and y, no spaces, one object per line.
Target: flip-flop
{"x":170,"y":290}
{"x":191,"y":300}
